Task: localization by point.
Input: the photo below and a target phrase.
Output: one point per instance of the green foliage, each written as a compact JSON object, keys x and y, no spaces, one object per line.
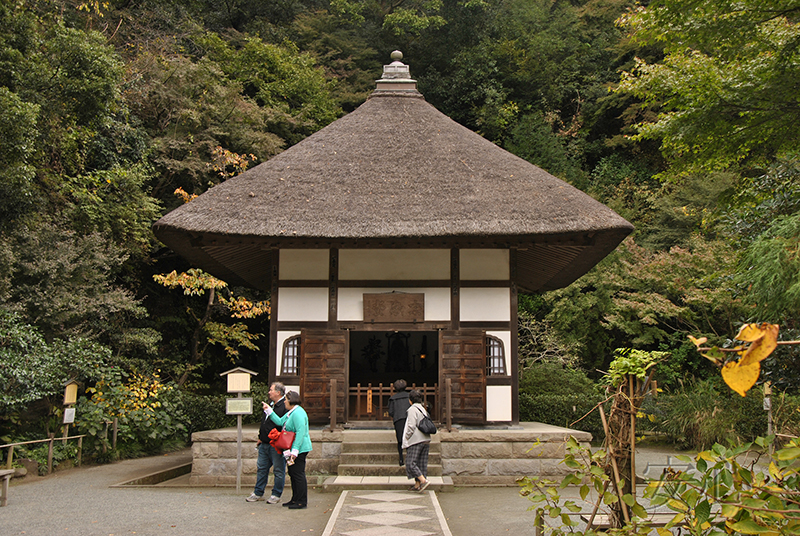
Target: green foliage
{"x":63,"y":454}
{"x":533,"y":139}
{"x":770,"y":268}
{"x":113,"y":202}
{"x":679,"y":213}
{"x":723,"y":496}
{"x":64,"y":283}
{"x":745,"y":500}
{"x":148,"y":411}
{"x":703,"y":412}
{"x":17,"y":134}
{"x":554,"y":394}
{"x":32,"y":369}
{"x":570,"y":410}
{"x":632,"y":362}
{"x":726,"y":87}
{"x":759,"y":199}
{"x":554,"y":378}
{"x":207,"y":412}
{"x":645,"y":298}
{"x":538,"y":342}
{"x":279,"y":78}
{"x":585,"y":470}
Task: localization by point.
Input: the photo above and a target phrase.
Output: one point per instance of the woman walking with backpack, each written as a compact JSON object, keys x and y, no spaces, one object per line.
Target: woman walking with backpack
{"x":416,"y":442}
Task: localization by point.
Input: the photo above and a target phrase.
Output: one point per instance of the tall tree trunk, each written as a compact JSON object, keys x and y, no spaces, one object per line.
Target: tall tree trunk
{"x":196,"y":354}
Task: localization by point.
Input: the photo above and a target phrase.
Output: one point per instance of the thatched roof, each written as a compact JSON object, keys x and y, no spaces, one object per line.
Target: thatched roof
{"x":395,"y":172}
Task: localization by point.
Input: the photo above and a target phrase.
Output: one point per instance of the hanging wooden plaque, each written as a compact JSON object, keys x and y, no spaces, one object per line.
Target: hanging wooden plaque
{"x":394,"y":307}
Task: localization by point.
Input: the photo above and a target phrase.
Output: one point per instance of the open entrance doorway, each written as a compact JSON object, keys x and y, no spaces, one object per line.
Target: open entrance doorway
{"x":378,"y":358}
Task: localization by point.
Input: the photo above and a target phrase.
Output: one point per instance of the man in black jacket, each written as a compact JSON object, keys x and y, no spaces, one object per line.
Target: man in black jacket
{"x":267,"y":455}
{"x":398,"y":406}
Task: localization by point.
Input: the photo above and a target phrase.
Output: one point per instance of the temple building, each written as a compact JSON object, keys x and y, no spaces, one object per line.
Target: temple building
{"x":394,"y":243}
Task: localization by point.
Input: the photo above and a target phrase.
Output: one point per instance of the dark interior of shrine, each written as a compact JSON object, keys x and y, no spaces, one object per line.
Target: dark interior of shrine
{"x":383,"y":357}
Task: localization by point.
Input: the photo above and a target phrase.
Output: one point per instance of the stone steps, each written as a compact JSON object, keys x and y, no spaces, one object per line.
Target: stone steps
{"x":368,"y":460}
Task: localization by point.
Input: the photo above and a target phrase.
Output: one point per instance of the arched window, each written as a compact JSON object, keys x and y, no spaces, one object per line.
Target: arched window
{"x":495,"y":357}
{"x":290,"y":364}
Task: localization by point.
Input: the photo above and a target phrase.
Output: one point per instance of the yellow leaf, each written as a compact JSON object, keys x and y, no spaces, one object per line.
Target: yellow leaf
{"x":749,"y":333}
{"x":698,"y":342}
{"x":741,"y":377}
{"x":762,"y":347}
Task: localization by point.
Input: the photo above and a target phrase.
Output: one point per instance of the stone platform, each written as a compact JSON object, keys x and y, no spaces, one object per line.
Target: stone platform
{"x":470,"y":456}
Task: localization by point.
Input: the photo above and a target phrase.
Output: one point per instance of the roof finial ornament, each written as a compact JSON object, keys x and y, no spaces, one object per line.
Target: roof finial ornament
{"x":396,"y":79}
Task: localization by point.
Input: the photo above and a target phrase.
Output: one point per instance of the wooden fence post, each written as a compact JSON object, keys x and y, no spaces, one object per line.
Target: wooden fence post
{"x":50,"y":454}
{"x":333,"y":404}
{"x":449,"y":395}
{"x":114,"y":434}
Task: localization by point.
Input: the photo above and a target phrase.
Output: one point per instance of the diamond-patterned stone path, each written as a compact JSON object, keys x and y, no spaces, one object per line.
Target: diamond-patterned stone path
{"x":387,"y":513}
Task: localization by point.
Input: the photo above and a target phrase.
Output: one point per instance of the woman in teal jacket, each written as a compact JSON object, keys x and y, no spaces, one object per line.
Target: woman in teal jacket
{"x":295,"y":420}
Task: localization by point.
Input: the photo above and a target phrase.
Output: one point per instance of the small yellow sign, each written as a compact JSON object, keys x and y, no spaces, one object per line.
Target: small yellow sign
{"x":238,"y":382}
{"x":369,"y":401}
{"x":70,"y":394}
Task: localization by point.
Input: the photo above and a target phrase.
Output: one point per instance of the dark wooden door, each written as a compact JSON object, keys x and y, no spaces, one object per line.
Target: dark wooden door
{"x":324,"y":357}
{"x":463,"y":360}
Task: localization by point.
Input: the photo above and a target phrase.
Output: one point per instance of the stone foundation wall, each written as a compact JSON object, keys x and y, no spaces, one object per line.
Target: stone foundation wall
{"x":470,"y":456}
{"x":214,"y":456}
{"x":501,"y":456}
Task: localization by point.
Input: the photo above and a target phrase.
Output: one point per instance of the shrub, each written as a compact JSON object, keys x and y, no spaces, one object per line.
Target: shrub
{"x":554,"y":378}
{"x":563,"y":410}
{"x":207,"y":412}
{"x":705,"y":412}
{"x":62,"y":454}
{"x":149,"y":413}
{"x":553,"y":394}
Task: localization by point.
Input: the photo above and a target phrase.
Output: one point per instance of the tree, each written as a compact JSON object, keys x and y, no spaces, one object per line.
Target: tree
{"x":64,"y":284}
{"x":770,"y":270}
{"x":726,"y":87}
{"x":643,"y":299}
{"x":17,"y":135}
{"x":32,"y":369}
{"x":231,"y":337}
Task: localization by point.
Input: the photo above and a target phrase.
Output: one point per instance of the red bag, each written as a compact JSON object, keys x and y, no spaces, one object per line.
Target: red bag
{"x":281,"y":439}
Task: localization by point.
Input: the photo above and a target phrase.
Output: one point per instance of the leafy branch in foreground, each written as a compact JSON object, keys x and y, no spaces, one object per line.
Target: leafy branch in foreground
{"x":760,"y":340}
{"x":588,"y":473}
{"x":723,"y":494}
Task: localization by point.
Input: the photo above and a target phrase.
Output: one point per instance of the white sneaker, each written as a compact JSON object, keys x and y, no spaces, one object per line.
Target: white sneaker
{"x":273,"y":499}
{"x":253,"y":498}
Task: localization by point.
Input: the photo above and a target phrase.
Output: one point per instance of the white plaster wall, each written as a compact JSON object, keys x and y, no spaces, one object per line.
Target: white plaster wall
{"x":351,"y":302}
{"x":504,"y":336}
{"x":485,"y":304}
{"x":498,"y":403}
{"x":388,"y":264}
{"x":303,"y":304}
{"x":282,"y":336}
{"x":484,"y":265}
{"x":311,"y":264}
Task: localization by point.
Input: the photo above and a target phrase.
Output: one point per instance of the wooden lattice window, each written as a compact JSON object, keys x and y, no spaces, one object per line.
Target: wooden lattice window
{"x":495,"y":357}
{"x":290,"y":364}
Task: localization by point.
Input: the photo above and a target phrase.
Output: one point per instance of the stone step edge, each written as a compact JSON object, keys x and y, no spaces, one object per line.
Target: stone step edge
{"x":373,"y":483}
